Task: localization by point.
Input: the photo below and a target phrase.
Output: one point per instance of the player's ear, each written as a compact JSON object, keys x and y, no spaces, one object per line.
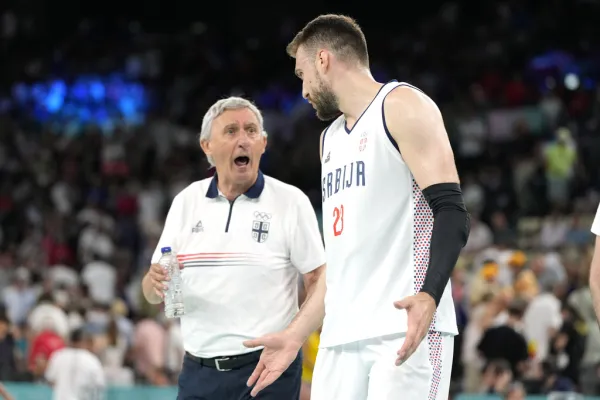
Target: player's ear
{"x":323,"y":60}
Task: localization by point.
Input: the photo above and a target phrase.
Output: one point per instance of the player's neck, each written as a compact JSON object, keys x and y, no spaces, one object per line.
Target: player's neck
{"x":356,"y":91}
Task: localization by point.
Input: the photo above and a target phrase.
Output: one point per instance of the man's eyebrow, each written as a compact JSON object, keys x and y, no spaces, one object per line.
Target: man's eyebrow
{"x":231,"y":125}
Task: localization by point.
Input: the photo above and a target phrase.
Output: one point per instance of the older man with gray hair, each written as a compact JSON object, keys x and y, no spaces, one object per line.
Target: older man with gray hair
{"x":242,"y":239}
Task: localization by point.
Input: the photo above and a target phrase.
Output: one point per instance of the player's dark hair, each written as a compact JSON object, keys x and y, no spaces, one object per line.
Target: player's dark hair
{"x":338,"y":33}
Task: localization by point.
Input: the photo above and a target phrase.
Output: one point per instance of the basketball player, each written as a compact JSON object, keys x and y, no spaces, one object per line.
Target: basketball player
{"x":394,"y":223}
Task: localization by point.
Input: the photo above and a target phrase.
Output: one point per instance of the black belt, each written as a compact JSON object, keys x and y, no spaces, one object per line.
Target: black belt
{"x":226,"y":363}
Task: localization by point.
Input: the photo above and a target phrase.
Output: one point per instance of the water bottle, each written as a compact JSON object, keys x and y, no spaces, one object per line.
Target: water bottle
{"x":173,"y":295}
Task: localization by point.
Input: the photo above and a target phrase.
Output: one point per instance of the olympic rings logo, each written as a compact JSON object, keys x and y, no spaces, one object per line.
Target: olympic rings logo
{"x":262,"y":216}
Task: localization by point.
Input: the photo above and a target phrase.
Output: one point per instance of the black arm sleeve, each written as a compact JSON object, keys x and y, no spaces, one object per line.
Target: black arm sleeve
{"x":451,"y":226}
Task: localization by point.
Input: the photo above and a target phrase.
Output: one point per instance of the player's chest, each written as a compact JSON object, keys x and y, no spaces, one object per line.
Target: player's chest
{"x":240,"y":224}
{"x":345,"y":164}
{"x":340,"y":146}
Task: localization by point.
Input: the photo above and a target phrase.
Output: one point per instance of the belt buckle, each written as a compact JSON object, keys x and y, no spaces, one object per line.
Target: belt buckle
{"x":218,"y":365}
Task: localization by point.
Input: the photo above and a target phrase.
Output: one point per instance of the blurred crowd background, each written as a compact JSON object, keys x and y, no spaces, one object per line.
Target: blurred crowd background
{"x":99,"y":114}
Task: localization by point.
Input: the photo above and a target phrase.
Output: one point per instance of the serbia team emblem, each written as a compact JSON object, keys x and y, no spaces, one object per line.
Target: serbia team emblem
{"x":260,"y":226}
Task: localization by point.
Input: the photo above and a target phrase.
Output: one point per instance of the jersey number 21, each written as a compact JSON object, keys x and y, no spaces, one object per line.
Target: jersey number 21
{"x":338,"y":223}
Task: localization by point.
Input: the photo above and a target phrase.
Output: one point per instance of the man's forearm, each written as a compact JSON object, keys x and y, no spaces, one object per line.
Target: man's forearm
{"x":311,"y":314}
{"x":148,"y":290}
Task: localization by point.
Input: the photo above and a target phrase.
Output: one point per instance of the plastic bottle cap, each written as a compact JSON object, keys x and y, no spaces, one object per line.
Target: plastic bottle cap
{"x":165,"y":250}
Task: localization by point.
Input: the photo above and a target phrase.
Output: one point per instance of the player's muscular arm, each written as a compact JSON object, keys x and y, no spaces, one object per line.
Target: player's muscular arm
{"x":310,"y":280}
{"x":281,"y":348}
{"x":595,"y":278}
{"x":311,"y":314}
{"x":416,"y":124}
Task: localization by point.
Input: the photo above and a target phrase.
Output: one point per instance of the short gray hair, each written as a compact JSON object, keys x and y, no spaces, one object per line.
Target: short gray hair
{"x":230,"y":103}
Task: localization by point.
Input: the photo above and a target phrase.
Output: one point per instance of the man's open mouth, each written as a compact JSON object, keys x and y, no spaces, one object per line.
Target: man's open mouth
{"x":241,"y":161}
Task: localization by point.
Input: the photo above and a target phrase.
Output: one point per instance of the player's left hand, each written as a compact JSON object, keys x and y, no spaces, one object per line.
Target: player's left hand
{"x":280,"y":349}
{"x":419,"y":310}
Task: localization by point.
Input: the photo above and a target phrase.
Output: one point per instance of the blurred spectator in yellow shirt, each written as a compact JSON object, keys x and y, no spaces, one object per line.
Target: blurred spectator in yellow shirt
{"x":560,"y":158}
{"x":309,"y":357}
{"x":525,"y":282}
{"x":485,"y":283}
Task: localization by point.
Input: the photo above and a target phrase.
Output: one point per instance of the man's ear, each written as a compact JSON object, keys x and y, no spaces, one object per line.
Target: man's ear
{"x":264,"y":138}
{"x":323,"y":60}
{"x":205,"y":145}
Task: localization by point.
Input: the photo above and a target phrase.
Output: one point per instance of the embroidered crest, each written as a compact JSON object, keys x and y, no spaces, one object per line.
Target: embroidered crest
{"x":260,"y":226}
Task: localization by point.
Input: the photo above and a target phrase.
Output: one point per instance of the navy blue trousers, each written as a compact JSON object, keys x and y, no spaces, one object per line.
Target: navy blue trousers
{"x":197,"y":382}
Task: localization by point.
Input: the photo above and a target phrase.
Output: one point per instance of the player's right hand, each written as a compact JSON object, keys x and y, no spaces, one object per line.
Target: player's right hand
{"x":159,"y":279}
{"x":280,"y":350}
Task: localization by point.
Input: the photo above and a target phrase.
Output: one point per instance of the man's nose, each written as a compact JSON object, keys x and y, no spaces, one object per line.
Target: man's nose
{"x":243,"y":139}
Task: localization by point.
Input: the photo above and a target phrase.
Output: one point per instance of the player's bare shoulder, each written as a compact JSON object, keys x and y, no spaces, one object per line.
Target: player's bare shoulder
{"x":415,"y":122}
{"x":405,"y":103}
{"x":408,"y":110}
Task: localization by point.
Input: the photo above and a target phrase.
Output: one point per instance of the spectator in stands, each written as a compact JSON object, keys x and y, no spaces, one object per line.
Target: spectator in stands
{"x":541,"y":322}
{"x":504,"y":342}
{"x":113,"y":351}
{"x":47,"y":316}
{"x":496,"y":377}
{"x":479,"y":322}
{"x":548,"y":269}
{"x":560,"y":158}
{"x":43,"y":346}
{"x":512,"y":263}
{"x":8,"y":367}
{"x":150,"y":340}
{"x":309,"y":350}
{"x":568,"y":346}
{"x":525,"y":283}
{"x":578,"y":233}
{"x":550,"y":381}
{"x":20,"y":297}
{"x":74,"y":372}
{"x":485,"y":282}
{"x":480,"y":236}
{"x":555,"y":228}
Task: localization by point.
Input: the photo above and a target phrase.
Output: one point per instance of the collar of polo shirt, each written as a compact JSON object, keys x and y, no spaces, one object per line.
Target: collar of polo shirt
{"x":253,"y":192}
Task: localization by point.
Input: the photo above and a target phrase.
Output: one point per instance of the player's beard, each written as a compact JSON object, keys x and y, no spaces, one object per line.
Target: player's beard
{"x":325,"y":102}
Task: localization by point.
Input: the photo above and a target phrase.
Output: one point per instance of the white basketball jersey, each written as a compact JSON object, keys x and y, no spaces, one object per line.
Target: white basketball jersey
{"x":377,"y":227}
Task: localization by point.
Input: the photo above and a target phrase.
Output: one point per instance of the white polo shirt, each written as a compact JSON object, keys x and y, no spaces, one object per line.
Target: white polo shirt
{"x":241,"y":261}
{"x":596,"y":223}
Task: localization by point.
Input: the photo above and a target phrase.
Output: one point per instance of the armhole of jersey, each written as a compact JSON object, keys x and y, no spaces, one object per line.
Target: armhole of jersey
{"x":323,"y":142}
{"x":387,"y":131}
